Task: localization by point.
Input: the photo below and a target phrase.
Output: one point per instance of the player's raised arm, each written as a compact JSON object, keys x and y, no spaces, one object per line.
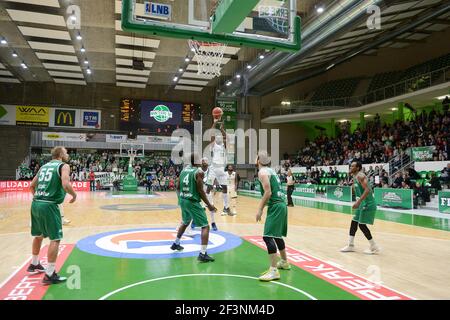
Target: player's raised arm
{"x":199,"y":184}
{"x":65,"y":180}
{"x":224,"y":135}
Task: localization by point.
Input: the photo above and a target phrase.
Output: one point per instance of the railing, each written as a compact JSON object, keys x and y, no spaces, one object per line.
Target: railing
{"x":398,"y":164}
{"x":406,"y":86}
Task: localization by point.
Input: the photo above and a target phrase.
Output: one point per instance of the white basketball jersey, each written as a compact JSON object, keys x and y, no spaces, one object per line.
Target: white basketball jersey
{"x":231,"y":179}
{"x":218,"y":159}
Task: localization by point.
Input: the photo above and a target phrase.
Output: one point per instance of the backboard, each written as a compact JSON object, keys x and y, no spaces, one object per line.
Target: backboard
{"x":266,"y":24}
{"x":131,"y":149}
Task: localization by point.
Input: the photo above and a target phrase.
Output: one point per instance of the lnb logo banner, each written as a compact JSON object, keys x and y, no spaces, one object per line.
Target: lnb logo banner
{"x":161,"y":113}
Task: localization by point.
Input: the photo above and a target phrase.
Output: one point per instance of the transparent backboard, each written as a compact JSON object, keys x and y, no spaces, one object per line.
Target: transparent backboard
{"x":268,"y":24}
{"x":131,"y":149}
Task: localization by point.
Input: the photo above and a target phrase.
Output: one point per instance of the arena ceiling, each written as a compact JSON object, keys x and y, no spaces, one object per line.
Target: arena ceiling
{"x":37,"y":32}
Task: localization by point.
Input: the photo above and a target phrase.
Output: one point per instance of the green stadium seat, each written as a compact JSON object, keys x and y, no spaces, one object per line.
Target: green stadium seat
{"x":423,"y":174}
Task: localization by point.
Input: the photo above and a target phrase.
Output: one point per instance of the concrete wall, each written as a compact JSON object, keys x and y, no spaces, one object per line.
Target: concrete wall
{"x":15,"y":143}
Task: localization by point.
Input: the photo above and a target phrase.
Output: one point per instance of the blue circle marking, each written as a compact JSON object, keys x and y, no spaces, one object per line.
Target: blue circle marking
{"x":141,"y":244}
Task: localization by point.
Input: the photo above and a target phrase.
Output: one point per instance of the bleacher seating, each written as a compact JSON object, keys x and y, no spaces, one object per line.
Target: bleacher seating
{"x":334,"y":90}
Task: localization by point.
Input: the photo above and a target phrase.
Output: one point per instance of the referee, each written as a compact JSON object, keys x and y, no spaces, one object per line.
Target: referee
{"x":290,"y":188}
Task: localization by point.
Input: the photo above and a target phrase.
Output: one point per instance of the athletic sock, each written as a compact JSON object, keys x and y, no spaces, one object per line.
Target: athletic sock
{"x":50,"y":269}
{"x":225,"y":200}
{"x":273,"y":269}
{"x":35,"y":260}
{"x":210,"y":198}
{"x":203,"y":250}
{"x":351,"y":240}
{"x":372,"y":243}
{"x":177,"y":241}
{"x":212,"y":217}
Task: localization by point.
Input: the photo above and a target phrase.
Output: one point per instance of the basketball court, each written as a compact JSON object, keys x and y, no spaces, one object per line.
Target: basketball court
{"x":122,"y":76}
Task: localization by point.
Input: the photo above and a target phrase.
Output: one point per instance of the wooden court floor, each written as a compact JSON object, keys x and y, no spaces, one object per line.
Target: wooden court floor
{"x":414,"y":260}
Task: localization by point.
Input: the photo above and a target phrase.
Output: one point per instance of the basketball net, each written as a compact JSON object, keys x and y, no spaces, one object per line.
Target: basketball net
{"x":209,"y":56}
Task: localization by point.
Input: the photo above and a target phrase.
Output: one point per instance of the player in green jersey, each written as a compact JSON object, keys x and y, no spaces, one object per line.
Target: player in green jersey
{"x":275,"y":227}
{"x":364,"y":207}
{"x":190,"y":188}
{"x":49,"y":188}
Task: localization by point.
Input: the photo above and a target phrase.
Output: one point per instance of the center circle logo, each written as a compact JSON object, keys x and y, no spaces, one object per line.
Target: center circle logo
{"x":150,"y":243}
{"x":161,"y":113}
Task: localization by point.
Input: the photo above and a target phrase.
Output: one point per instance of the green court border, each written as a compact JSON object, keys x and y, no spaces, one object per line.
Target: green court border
{"x":386,"y":215}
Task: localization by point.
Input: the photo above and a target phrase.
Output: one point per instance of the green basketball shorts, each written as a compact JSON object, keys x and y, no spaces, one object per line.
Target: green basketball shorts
{"x":46,"y":220}
{"x":276,"y":221}
{"x":192,"y":210}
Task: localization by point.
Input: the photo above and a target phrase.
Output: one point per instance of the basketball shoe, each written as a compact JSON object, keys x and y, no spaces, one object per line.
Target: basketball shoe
{"x":269,"y":275}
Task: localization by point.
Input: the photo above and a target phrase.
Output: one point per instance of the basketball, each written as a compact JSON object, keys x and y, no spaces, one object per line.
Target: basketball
{"x":217,"y":113}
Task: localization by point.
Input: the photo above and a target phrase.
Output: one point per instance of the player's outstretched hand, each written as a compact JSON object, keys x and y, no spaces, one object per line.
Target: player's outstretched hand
{"x":212,"y":208}
{"x":258,"y":216}
{"x":74,"y":198}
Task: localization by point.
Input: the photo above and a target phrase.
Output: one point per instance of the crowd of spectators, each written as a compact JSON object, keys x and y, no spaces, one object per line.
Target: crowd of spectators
{"x":377,"y":142}
{"x":157,"y":173}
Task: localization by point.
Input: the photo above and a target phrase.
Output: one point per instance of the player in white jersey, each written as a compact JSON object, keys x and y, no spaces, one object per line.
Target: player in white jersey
{"x":217,"y":172}
{"x":232,"y":186}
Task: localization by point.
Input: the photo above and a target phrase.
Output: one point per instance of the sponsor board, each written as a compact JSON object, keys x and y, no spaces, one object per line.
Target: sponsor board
{"x":339,"y":193}
{"x":157,"y":139}
{"x":149,"y":243}
{"x":354,"y":284}
{"x":64,"y":118}
{"x":422,"y":153}
{"x":444,"y":201}
{"x":22,"y":285}
{"x":63,"y":136}
{"x":32,"y":116}
{"x":11,"y":186}
{"x":91,"y":119}
{"x":118,"y":138}
{"x":7,"y":115}
{"x":395,"y":198}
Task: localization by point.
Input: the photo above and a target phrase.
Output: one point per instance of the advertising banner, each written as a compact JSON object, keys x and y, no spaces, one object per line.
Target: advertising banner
{"x":339,"y":193}
{"x":395,"y":198}
{"x":63,"y":136}
{"x":444,"y":201}
{"x":229,"y":108}
{"x":91,"y":119}
{"x":305,"y":190}
{"x":7,"y":115}
{"x":118,"y":138}
{"x":157,"y":139}
{"x":32,"y":116}
{"x":11,"y":186}
{"x":67,"y":118}
{"x":422,"y":153}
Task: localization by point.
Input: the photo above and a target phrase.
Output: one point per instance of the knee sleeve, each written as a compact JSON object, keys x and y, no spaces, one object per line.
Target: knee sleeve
{"x":271,"y":246}
{"x":353,"y":228}
{"x":366,"y":231}
{"x":280,"y":244}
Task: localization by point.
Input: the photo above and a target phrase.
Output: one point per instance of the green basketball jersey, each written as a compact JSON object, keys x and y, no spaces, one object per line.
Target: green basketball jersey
{"x":369,"y":201}
{"x":275,"y":187}
{"x":49,"y":186}
{"x":188,"y":184}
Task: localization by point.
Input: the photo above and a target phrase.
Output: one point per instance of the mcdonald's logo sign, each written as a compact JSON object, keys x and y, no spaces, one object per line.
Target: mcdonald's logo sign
{"x":65,"y":118}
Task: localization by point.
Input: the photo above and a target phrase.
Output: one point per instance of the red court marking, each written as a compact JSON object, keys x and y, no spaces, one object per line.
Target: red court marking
{"x":350,"y":282}
{"x":24,"y":286}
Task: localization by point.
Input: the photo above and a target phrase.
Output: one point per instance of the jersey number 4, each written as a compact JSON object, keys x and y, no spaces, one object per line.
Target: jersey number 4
{"x":46,"y":174}
{"x":186,"y":180}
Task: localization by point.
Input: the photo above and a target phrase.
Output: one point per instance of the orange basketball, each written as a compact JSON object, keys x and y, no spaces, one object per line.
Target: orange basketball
{"x":217,"y":113}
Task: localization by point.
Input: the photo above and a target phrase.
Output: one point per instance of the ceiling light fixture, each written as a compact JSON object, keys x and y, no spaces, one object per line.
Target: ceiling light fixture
{"x":238,"y":76}
{"x":187,"y":59}
{"x":79,"y":37}
{"x":3,"y":41}
{"x":86,"y":61}
{"x":249,"y":67}
{"x":14,"y":54}
{"x":320,"y":10}
{"x":180,"y":70}
{"x":83,"y":49}
{"x":261,"y":56}
{"x":175,"y":79}
{"x":88,"y":70}
{"x":23,"y":65}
